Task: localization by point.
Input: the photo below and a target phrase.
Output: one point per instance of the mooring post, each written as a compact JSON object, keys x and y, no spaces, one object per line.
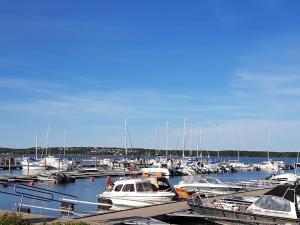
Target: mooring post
{"x":9,"y":163}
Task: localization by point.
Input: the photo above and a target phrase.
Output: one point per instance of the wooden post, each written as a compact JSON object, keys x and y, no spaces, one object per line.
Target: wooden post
{"x":9,"y":162}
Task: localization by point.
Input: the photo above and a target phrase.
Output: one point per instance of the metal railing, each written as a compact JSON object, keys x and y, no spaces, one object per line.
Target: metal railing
{"x":43,"y":197}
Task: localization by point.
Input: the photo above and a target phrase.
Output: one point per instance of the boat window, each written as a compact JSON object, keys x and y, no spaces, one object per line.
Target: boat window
{"x":201,"y":180}
{"x":147,"y":186}
{"x":128,"y":187}
{"x":139,"y":187}
{"x":213,"y":180}
{"x":118,"y":187}
{"x":273,"y":203}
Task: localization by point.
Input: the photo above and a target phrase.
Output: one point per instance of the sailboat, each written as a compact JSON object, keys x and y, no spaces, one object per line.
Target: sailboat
{"x":31,"y":163}
{"x":53,"y":162}
{"x":269,"y":165}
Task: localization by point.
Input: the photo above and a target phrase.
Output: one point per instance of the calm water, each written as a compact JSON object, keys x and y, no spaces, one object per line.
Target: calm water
{"x":87,"y":189}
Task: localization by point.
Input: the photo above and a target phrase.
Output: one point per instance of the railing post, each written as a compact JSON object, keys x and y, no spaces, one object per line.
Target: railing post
{"x":42,"y":209}
{"x":21,"y":204}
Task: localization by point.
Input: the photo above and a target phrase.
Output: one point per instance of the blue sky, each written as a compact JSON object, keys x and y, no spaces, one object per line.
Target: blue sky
{"x":85,"y":66}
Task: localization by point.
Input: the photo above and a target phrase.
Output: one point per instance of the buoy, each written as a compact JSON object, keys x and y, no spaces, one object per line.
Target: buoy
{"x":31,"y":183}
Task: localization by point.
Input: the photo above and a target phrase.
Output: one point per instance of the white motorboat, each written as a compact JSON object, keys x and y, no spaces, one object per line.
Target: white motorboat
{"x":207,"y":184}
{"x":268,"y":165}
{"x":131,"y":193}
{"x":88,"y":169}
{"x":32,"y":164}
{"x":277,"y":206}
{"x":285,"y":178}
{"x":56,"y":163}
{"x":154,"y":170}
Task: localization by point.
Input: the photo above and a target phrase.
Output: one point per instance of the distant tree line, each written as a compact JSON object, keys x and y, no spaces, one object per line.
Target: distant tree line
{"x":143,"y":151}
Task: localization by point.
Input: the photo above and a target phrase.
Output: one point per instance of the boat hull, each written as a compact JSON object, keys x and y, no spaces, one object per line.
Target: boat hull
{"x":138,"y":200}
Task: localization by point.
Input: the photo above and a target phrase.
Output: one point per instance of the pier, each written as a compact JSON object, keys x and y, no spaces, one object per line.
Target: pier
{"x":145,"y":212}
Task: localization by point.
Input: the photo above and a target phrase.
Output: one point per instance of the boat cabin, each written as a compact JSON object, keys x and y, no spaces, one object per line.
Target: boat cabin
{"x":132,"y":185}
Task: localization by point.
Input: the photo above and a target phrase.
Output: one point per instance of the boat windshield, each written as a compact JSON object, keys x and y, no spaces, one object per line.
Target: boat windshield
{"x":273,"y":203}
{"x":210,"y":180}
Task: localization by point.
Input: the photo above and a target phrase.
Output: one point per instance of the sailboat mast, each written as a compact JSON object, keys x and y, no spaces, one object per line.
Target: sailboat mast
{"x":190,"y":129}
{"x":198,"y":136}
{"x":217,"y":141}
{"x":64,"y":143}
{"x":156,"y":138}
{"x":238,"y":150}
{"x":125,"y":136}
{"x":268,"y":144}
{"x":183,"y":140}
{"x":167,"y":147}
{"x":36,"y":143}
{"x":201,"y":142}
{"x":47,"y":140}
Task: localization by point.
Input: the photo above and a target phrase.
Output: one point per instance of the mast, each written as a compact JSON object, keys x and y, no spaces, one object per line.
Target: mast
{"x":64,"y":143}
{"x":201,"y":142}
{"x":190,"y":129}
{"x":268,"y":144}
{"x":197,"y":153}
{"x":183,"y":140}
{"x":47,"y":140}
{"x":125,"y":136}
{"x":167,"y":146}
{"x":217,"y":141}
{"x":156,"y":138}
{"x":36,"y":143}
{"x":238,"y":150}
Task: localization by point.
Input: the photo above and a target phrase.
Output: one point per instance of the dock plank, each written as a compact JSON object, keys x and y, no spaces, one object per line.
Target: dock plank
{"x":145,"y":212}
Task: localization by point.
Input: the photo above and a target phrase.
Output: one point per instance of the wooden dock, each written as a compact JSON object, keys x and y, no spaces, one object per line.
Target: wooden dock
{"x":11,"y":167}
{"x":18,"y":178}
{"x":116,"y":217}
{"x":77,"y":175}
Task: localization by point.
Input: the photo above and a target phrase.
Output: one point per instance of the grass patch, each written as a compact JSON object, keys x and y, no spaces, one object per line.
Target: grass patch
{"x":12,"y":219}
{"x":71,"y":223}
{"x":16,"y":219}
